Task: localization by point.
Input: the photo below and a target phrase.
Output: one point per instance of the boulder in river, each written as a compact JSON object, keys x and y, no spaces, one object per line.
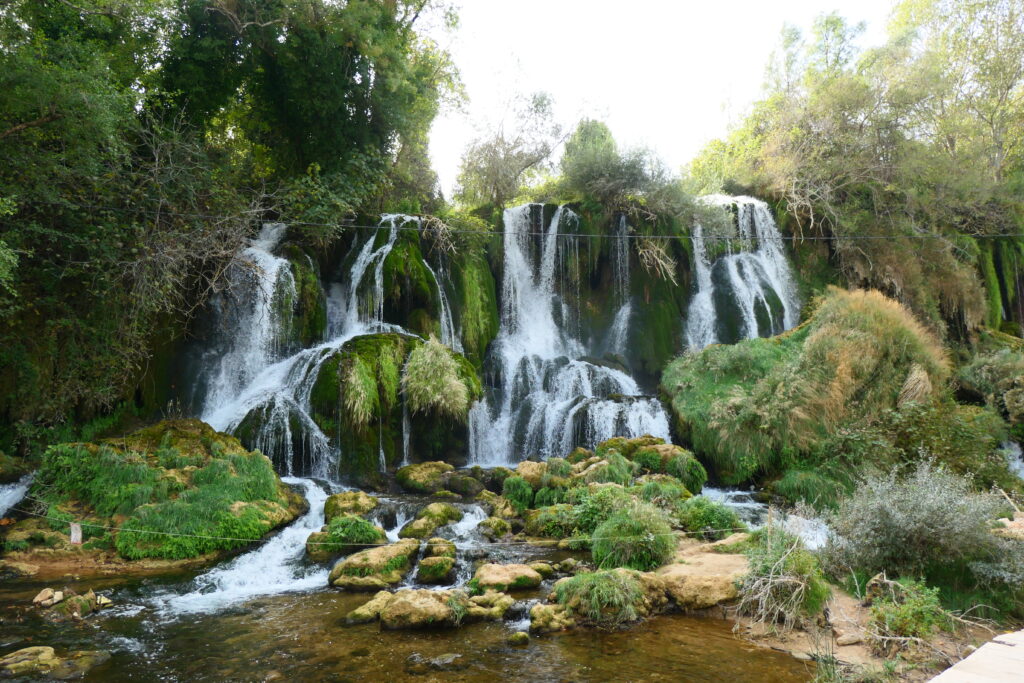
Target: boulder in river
{"x":412,"y":608}
{"x":502,"y":577}
{"x":429,"y":519}
{"x":423,"y":477}
{"x":43,"y":662}
{"x":375,"y":568}
{"x":350,"y":502}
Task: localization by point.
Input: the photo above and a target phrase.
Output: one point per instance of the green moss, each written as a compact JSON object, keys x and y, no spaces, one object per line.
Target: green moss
{"x":308,"y":308}
{"x":476,"y":303}
{"x":688,"y":470}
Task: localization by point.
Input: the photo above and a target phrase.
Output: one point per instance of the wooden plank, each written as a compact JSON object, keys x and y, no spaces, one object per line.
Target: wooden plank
{"x":1000,"y":660}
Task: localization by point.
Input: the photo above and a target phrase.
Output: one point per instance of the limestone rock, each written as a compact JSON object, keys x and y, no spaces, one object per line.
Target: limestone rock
{"x":409,"y":609}
{"x":375,"y":568}
{"x":465,"y":486}
{"x":542,"y":568}
{"x":435,"y":570}
{"x":705,"y":580}
{"x":502,"y":577}
{"x":439,"y":547}
{"x":424,"y":477}
{"x":494,"y":528}
{"x":45,"y":595}
{"x":351,"y":502}
{"x":518,"y":639}
{"x":491,"y":606}
{"x":369,"y":611}
{"x":545,"y":618}
{"x":496,"y":506}
{"x":429,"y":519}
{"x":42,"y":661}
{"x":72,"y":607}
{"x":532,"y":472}
{"x":851,"y":638}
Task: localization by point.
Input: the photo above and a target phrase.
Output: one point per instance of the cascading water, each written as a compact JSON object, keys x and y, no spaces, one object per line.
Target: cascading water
{"x":547,"y":400}
{"x":275,"y":567}
{"x":1014,"y":457}
{"x":619,"y":334}
{"x":276,"y":395}
{"x":11,"y":494}
{"x":746,"y":294}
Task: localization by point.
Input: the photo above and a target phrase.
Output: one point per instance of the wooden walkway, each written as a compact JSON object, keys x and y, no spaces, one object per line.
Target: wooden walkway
{"x":997,"y":661}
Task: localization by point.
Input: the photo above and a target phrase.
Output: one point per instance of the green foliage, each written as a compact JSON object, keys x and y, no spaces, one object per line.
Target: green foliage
{"x":999,"y":378}
{"x":784,"y":583}
{"x":606,"y":598}
{"x":518,"y":492}
{"x":688,"y":470}
{"x":649,"y":460}
{"x":595,"y":504}
{"x":809,"y":486}
{"x":638,"y":537}
{"x":664,"y":492}
{"x":913,"y":612}
{"x":908,"y":522}
{"x":616,"y":470}
{"x":556,"y":521}
{"x":350,"y":533}
{"x":549,"y":496}
{"x":559,"y":467}
{"x":712,"y":519}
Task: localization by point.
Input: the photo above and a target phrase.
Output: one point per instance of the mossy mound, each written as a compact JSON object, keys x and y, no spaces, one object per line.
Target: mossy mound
{"x":345,"y":533}
{"x":348,"y":502}
{"x":375,"y":568}
{"x":423,"y":477}
{"x":175,"y":490}
{"x":861,"y":382}
{"x":503,"y":577}
{"x":429,"y":519}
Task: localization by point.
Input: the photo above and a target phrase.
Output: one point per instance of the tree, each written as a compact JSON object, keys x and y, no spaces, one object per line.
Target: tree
{"x":495,"y":165}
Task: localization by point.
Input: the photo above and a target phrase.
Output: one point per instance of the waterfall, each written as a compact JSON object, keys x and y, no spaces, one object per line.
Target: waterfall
{"x":547,"y":399}
{"x":11,"y":494}
{"x":1014,"y":455}
{"x":746,"y":294}
{"x":275,"y":567}
{"x":619,"y":333}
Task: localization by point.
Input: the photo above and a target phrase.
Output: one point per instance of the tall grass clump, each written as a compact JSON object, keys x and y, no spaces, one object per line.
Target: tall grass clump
{"x":784,"y":585}
{"x":911,"y":521}
{"x":809,"y":486}
{"x":605,"y":598}
{"x":688,"y":470}
{"x":639,"y":537}
{"x":350,"y":533}
{"x":593,"y":505}
{"x":616,"y":470}
{"x":434,"y":381}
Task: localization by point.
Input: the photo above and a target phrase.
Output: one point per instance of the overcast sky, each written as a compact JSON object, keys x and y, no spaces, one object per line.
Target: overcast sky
{"x":666,"y":74}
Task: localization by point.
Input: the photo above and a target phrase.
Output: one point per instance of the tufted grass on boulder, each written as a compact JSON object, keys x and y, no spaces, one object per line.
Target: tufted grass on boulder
{"x":604,"y":598}
{"x":638,"y":537}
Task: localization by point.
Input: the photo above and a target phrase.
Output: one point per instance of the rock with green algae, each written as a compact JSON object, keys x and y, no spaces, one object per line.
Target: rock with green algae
{"x":73,"y":607}
{"x":375,"y":568}
{"x":346,"y":533}
{"x":496,"y":506}
{"x":545,"y":618}
{"x":348,"y":502}
{"x":43,"y":662}
{"x":425,"y":609}
{"x":494,"y":528}
{"x":502,"y":577}
{"x":435,"y":570}
{"x":463,"y":485}
{"x":429,"y":519}
{"x":518,"y":639}
{"x":439,"y":547}
{"x":423,"y":477}
{"x":532,"y":472}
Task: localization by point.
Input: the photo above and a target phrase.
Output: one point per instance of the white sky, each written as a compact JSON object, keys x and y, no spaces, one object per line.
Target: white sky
{"x":666,"y":74}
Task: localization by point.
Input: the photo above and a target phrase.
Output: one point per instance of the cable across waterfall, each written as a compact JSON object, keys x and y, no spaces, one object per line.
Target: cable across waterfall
{"x":749,"y":290}
{"x":546,"y":398}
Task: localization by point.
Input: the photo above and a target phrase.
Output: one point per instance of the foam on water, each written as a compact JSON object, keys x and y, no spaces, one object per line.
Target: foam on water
{"x":12,"y":494}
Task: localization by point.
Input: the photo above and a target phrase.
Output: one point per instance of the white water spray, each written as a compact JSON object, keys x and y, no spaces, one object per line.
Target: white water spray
{"x":12,"y":494}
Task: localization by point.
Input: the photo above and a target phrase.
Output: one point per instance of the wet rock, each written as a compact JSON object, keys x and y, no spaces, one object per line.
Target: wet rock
{"x":429,"y":519}
{"x":567,"y":566}
{"x":496,"y":506}
{"x":532,"y":472}
{"x":494,"y":528}
{"x":546,"y":618}
{"x":446,"y":495}
{"x":349,"y":502}
{"x":518,"y":639}
{"x":42,"y":661}
{"x":375,"y":568}
{"x":542,"y":568}
{"x":439,"y":547}
{"x":72,"y":607}
{"x":414,"y":609}
{"x":424,"y":477}
{"x":418,"y":665}
{"x":468,"y":487}
{"x":502,"y":577}
{"x":45,"y":595}
{"x":369,"y":611}
{"x":435,"y":570}
{"x":491,"y":606}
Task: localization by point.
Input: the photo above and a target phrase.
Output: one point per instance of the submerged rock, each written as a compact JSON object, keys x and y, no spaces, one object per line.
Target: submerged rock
{"x":417,"y":664}
{"x":375,"y":568}
{"x":518,"y":639}
{"x":501,"y":577}
{"x":42,"y":661}
{"x":545,"y":618}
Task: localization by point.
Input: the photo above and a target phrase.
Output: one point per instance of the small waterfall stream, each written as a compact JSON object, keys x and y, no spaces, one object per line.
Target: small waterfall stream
{"x":744,"y":294}
{"x":11,"y":494}
{"x":547,"y":398}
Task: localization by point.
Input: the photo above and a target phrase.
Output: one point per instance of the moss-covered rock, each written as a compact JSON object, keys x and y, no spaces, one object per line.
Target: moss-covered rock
{"x":349,"y":502}
{"x":467,"y":487}
{"x":41,"y":662}
{"x":545,"y":618}
{"x":429,"y":519}
{"x":176,"y":490}
{"x":375,"y":568}
{"x":423,"y":477}
{"x":496,"y":506}
{"x":345,"y":533}
{"x":503,"y":577}
{"x":532,"y":472}
{"x":439,"y":547}
{"x":494,"y":528}
{"x":435,"y":570}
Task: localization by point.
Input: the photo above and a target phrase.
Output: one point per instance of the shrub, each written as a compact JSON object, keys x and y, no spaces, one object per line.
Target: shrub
{"x":911,"y":611}
{"x":664,"y":492}
{"x":518,"y":492}
{"x":784,"y":584}
{"x":688,"y":470}
{"x":649,"y":460}
{"x":349,"y":533}
{"x":639,"y":537}
{"x":714,"y":520}
{"x":559,"y":467}
{"x":809,"y":486}
{"x":557,"y":521}
{"x":907,"y":523}
{"x":549,"y":496}
{"x":606,"y":598}
{"x":595,"y":505}
{"x":616,"y":470}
